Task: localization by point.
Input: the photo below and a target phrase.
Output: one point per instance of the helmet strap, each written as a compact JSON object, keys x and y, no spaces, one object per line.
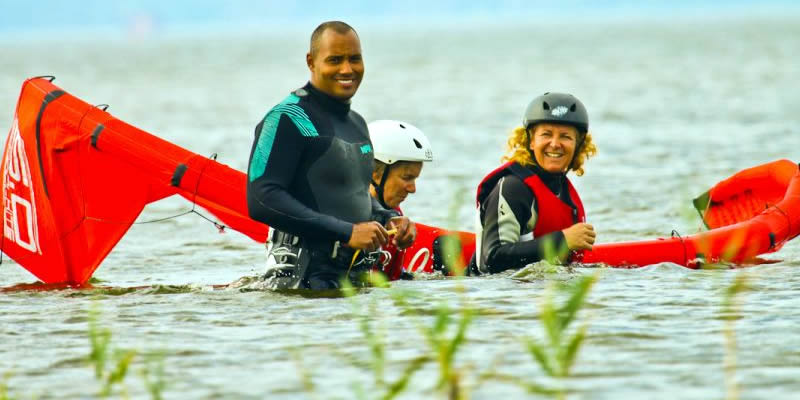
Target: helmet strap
{"x":379,"y":186}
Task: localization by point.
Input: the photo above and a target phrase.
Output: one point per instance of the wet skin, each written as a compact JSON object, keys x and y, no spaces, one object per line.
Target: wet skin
{"x":400,"y":182}
{"x":553,"y":145}
{"x":338,"y":68}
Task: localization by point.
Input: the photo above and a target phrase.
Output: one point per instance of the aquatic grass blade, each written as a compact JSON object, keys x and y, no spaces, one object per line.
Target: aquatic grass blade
{"x":549,"y":319}
{"x":124,"y":359}
{"x":571,"y":350}
{"x":99,"y":339}
{"x":538,"y":352}
{"x":402,"y":383}
{"x":4,"y":386}
{"x":361,"y":394}
{"x":378,"y":279}
{"x":461,"y":333}
{"x":548,"y":248}
{"x":152,"y":374}
{"x":442,"y":320}
{"x":730,"y":314}
{"x":532,"y":388}
{"x":578,"y":292}
{"x":117,"y":375}
{"x":733,"y":246}
{"x":739,"y":285}
{"x":306,"y":379}
{"x":376,"y":345}
{"x":346,"y":287}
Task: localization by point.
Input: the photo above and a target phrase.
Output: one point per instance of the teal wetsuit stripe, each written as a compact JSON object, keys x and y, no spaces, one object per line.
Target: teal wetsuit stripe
{"x":269,"y":129}
{"x":298,"y":116}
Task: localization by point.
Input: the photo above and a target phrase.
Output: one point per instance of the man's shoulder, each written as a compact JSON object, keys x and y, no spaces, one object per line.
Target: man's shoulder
{"x":357,"y":117}
{"x":293,"y":102}
{"x":300,"y":92}
{"x":295,"y":108}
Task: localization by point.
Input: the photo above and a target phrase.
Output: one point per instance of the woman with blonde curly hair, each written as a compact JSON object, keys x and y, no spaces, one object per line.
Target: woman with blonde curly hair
{"x":528,"y":209}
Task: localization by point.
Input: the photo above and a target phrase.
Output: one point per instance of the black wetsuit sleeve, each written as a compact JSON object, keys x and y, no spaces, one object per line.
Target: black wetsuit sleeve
{"x":508,"y":208}
{"x":268,"y":197}
{"x":381,"y":214}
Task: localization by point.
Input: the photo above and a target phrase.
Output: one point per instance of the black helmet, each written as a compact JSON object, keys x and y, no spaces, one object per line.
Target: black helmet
{"x":562,"y":108}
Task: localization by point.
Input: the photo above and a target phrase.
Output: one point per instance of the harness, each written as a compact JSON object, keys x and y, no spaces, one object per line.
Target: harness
{"x":289,"y":258}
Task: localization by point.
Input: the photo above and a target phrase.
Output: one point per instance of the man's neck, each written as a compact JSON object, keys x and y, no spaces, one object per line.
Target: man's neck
{"x":328,"y":101}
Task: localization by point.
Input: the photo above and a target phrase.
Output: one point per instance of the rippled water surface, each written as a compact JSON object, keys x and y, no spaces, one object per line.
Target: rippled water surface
{"x":674,"y":107}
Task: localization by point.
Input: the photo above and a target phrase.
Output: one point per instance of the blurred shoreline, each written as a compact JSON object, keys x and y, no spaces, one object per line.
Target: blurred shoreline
{"x":149,"y":20}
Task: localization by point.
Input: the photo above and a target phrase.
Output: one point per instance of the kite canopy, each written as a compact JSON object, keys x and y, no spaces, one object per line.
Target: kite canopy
{"x":75,"y":178}
{"x":746,"y":194}
{"x":754,"y":212}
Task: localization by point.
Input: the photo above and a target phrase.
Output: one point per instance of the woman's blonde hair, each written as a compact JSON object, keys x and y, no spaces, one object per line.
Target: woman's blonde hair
{"x":518,"y":150}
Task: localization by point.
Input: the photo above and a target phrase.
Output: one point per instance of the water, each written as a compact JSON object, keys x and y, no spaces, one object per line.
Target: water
{"x":675,"y":107}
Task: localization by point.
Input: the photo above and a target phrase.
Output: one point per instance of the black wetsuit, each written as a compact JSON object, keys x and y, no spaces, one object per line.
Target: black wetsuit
{"x":309,"y":175}
{"x":508,"y":213}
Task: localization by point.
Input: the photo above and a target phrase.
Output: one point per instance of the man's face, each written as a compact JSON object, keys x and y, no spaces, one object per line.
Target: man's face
{"x":337,"y":68}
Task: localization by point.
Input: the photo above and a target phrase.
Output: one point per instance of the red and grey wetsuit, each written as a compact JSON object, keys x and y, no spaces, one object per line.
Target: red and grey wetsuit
{"x":522,"y":212}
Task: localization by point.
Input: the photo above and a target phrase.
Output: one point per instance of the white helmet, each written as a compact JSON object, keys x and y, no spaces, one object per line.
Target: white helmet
{"x":395,"y":141}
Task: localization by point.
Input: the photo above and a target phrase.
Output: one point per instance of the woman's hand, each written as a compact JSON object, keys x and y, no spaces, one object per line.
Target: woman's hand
{"x":406,"y":231}
{"x":579,"y":236}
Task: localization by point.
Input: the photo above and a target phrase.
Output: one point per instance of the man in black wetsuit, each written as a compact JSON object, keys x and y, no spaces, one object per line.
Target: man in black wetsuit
{"x":310,"y":170}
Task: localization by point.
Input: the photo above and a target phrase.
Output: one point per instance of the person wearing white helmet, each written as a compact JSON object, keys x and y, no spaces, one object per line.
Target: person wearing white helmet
{"x":400,"y":150}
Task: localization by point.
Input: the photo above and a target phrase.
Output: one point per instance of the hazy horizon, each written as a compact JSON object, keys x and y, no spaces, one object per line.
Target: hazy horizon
{"x":149,"y":17}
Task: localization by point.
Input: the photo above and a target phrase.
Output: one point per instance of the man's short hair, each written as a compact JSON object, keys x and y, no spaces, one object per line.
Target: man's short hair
{"x":338,"y":26}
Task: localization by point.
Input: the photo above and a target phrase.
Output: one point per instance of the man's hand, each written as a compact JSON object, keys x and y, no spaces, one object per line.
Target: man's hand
{"x":406,"y":231}
{"x":368,"y":236}
{"x":579,"y":236}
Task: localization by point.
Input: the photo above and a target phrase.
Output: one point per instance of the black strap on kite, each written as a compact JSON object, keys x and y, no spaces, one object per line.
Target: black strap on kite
{"x":47,"y":99}
{"x":96,"y":134}
{"x":685,"y":255}
{"x":177,"y":176}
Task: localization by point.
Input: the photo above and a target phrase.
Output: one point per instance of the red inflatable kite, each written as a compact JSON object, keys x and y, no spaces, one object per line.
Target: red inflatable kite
{"x":75,"y":178}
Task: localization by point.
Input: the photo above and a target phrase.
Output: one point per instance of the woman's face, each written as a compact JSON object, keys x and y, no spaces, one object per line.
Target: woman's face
{"x":553,"y":145}
{"x":400,"y":182}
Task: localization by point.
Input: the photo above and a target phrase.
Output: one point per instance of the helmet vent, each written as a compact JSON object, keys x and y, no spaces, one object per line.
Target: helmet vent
{"x":545,"y":105}
{"x":404,"y":127}
{"x":417,"y":143}
{"x":574,"y":106}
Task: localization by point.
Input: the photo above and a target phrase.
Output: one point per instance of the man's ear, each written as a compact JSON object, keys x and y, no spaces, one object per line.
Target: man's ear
{"x":310,"y":62}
